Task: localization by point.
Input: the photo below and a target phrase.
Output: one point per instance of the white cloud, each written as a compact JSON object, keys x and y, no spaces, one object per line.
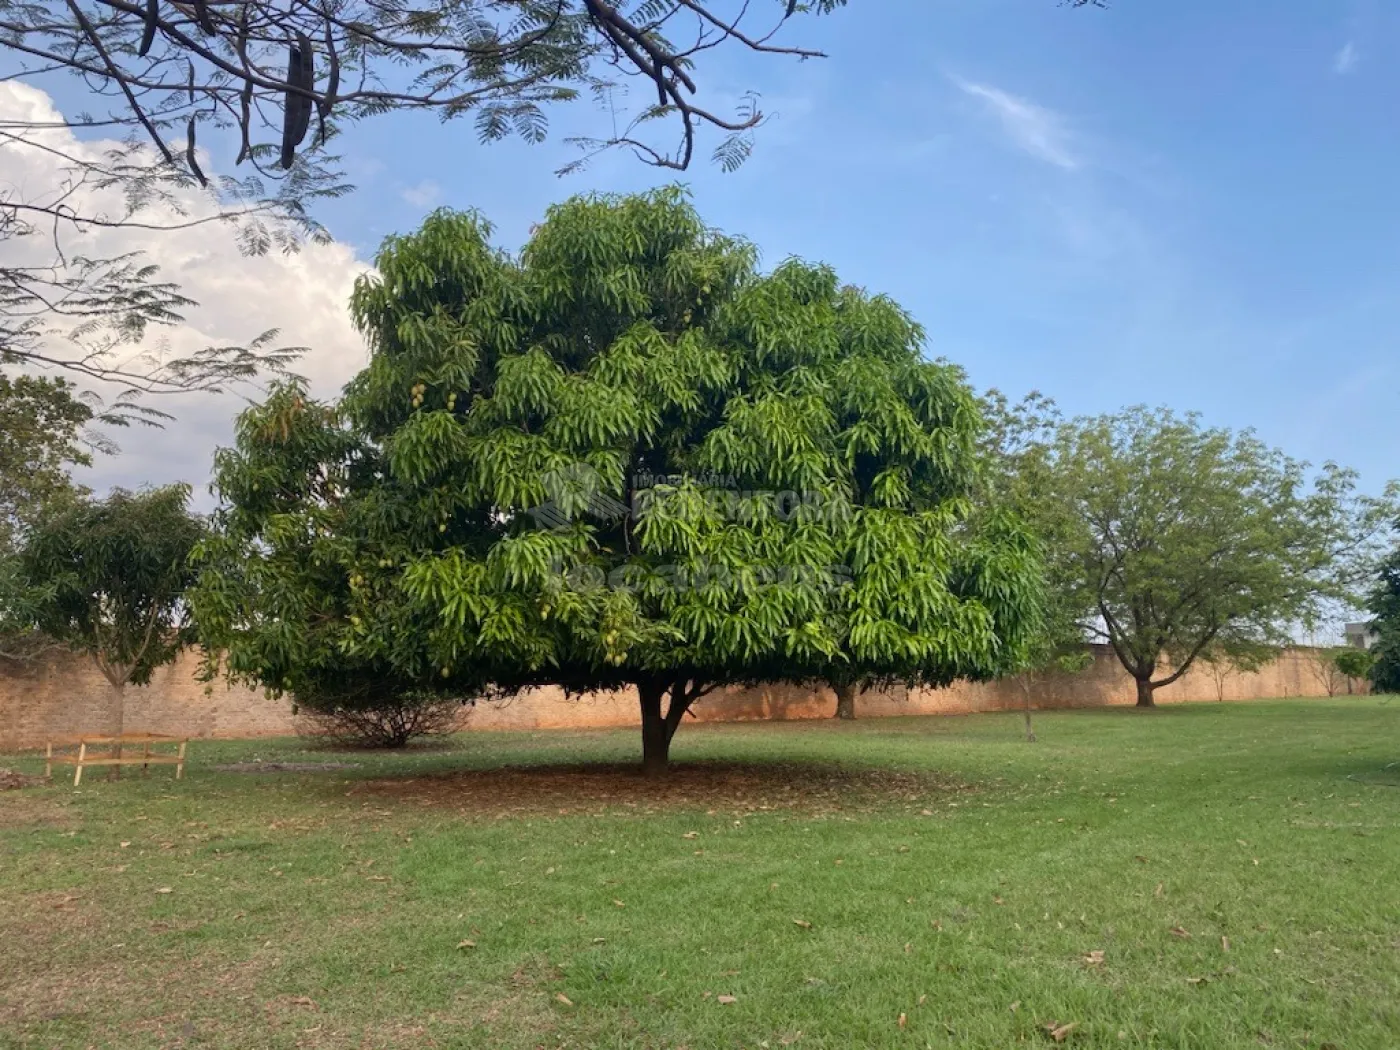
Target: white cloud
{"x":424,"y":195}
{"x":1345,"y":60}
{"x":1035,"y":129}
{"x":303,"y":294}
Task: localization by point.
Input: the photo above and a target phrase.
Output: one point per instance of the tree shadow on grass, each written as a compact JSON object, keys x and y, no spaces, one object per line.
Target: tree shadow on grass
{"x":728,"y":786}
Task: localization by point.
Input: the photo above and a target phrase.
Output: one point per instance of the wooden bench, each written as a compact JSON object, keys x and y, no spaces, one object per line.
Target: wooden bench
{"x":116,"y":756}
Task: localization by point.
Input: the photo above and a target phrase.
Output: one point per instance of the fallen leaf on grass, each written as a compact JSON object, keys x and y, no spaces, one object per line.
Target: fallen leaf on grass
{"x":1224,"y":944}
{"x":1094,"y":958}
{"x":1178,"y":931}
{"x":1140,"y":859}
{"x":803,"y":923}
{"x":788,"y":1040}
{"x":726,"y":999}
{"x":1016,"y":1006}
{"x":165,"y":889}
{"x":379,"y":878}
{"x":1197,"y":980}
{"x":903,"y":1020}
{"x":563,"y":999}
{"x":301,"y":1000}
{"x":1060,"y":1032}
{"x":619,"y":903}
{"x":691,"y":835}
{"x":466,"y":944}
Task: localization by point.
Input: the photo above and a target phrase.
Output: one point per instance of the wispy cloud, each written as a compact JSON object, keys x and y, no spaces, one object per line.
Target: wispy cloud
{"x":1039,"y":131}
{"x":1345,"y":59}
{"x":424,"y":195}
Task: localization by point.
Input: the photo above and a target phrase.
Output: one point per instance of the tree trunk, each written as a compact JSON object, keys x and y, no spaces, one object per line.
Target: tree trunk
{"x":656,"y":736}
{"x":845,"y":700}
{"x":1026,"y":696}
{"x":1144,"y":692}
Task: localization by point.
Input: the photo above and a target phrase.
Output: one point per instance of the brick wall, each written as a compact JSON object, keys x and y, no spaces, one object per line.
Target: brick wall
{"x":66,"y":696}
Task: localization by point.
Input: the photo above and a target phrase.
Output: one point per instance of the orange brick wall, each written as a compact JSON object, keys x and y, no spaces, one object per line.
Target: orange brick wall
{"x":66,"y":696}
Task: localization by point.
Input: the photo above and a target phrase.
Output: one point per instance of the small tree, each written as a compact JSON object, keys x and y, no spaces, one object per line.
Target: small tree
{"x":1015,"y":451}
{"x":1220,"y":666}
{"x":1355,"y":665}
{"x":1224,"y":662}
{"x":108,"y":578}
{"x":1174,"y":539}
{"x":622,"y":459}
{"x":1326,"y":671}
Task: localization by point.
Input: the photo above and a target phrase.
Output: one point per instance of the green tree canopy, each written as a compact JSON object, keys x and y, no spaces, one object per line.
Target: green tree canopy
{"x":624,"y":458}
{"x":1354,"y":663}
{"x":108,"y":577}
{"x":1170,"y":540}
{"x":42,"y":437}
{"x":1384,"y":605}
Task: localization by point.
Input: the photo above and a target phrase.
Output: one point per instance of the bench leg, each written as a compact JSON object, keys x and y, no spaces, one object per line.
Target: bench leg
{"x":180,"y":766}
{"x":146,"y":754}
{"x":48,"y":760}
{"x":78,"y":766}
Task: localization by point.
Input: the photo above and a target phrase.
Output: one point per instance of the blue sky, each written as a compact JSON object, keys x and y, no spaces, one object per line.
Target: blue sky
{"x":1186,"y":203}
{"x":1190,"y":203}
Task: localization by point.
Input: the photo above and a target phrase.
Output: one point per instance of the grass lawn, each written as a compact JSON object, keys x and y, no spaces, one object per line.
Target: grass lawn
{"x":1204,"y":876}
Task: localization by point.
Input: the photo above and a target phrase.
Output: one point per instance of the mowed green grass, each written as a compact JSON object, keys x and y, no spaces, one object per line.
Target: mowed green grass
{"x":957,"y":881}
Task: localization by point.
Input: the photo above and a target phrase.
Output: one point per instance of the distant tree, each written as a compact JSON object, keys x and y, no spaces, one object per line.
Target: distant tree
{"x":1326,"y":671}
{"x":1221,"y":668}
{"x":43,"y":435}
{"x":622,"y":459}
{"x":1242,"y":656}
{"x":1354,"y":664}
{"x":108,"y":578}
{"x":1016,"y":448}
{"x":1173,"y":539}
{"x":1384,"y":605}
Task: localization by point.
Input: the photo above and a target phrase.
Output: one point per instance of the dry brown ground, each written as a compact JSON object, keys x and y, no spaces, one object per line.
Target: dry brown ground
{"x":718,"y":786}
